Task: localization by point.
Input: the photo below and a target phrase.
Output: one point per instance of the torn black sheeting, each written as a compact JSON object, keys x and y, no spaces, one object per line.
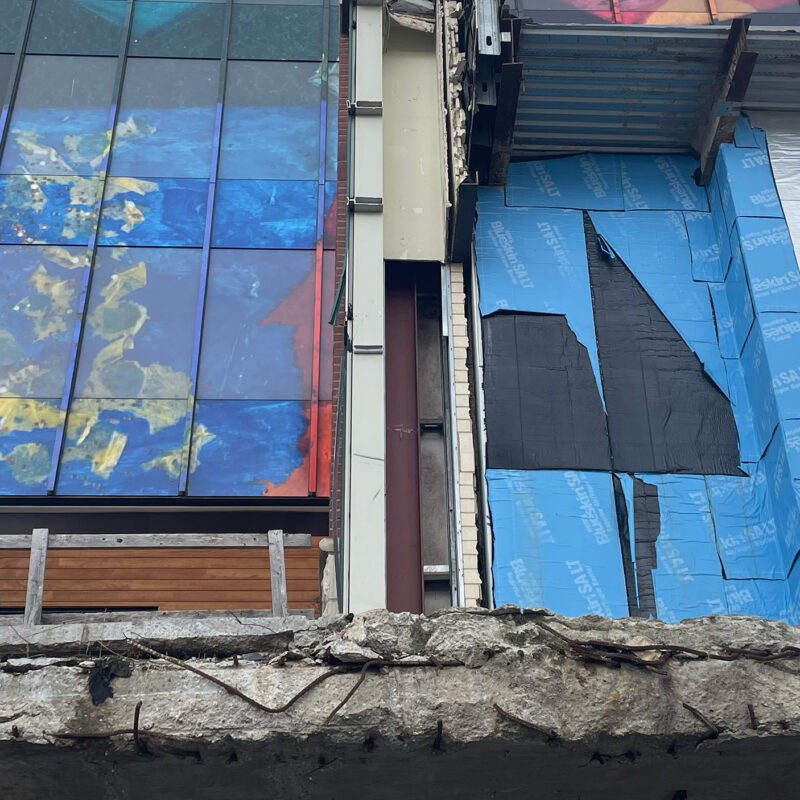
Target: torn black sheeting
{"x":543,"y":407}
{"x":623,"y":526}
{"x":646,"y":527}
{"x":664,"y":413}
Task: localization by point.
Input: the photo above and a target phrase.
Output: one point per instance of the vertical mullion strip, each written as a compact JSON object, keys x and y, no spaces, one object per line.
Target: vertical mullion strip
{"x":16,"y":71}
{"x":91,"y":255}
{"x":204,"y":270}
{"x":313,"y":454}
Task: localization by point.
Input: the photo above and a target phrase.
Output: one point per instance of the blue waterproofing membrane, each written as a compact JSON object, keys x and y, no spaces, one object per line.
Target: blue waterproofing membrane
{"x":733,"y":308}
{"x":654,"y":245}
{"x":557,"y":544}
{"x":688,"y":576}
{"x":727,"y":544}
{"x":535,"y":260}
{"x":607,"y":182}
{"x":705,"y":251}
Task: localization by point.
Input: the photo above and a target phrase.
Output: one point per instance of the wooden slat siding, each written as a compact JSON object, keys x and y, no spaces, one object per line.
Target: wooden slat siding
{"x":167,"y":579}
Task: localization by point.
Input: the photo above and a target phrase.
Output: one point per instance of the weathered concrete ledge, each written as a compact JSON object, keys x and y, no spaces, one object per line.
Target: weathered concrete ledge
{"x":465,"y":704}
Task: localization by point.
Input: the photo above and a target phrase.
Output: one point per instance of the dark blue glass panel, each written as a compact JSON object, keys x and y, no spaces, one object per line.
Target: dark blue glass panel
{"x":258,"y":326}
{"x":14,"y":12}
{"x":268,"y":214}
{"x":177,"y":29}
{"x":58,"y":209}
{"x":166,"y":119}
{"x":41,"y":288}
{"x":271,"y":123}
{"x":123,"y":447}
{"x":278,"y":32}
{"x":59,"y":123}
{"x":250,"y":448}
{"x":140,"y":323}
{"x":77,"y":27}
{"x":164,"y":212}
{"x":27,"y":436}
{"x":6,"y":66}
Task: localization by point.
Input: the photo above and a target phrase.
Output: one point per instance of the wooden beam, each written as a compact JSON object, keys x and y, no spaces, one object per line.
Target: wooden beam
{"x":88,"y":541}
{"x":730,"y":86}
{"x":505,"y":117}
{"x":38,"y":559}
{"x":277,"y":574}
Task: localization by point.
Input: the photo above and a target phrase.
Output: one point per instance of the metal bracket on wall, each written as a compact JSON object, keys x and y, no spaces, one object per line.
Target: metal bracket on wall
{"x":365,"y":108}
{"x":368,"y":349}
{"x":488,"y":28}
{"x":371,"y":204}
{"x":728,"y":92}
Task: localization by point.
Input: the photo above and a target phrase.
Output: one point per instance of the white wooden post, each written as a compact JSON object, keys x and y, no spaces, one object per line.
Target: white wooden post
{"x":277,"y":573}
{"x":36,"y":565}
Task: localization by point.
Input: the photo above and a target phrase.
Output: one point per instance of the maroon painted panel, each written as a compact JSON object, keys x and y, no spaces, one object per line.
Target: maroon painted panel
{"x":403,"y":520}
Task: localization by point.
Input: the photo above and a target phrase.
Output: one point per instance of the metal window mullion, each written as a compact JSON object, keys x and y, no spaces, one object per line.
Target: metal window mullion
{"x":16,"y":72}
{"x":91,"y":255}
{"x":206,"y":256}
{"x":313,"y":466}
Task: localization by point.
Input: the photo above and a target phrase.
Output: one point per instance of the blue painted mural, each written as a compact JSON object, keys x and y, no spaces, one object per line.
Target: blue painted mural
{"x":160,"y":251}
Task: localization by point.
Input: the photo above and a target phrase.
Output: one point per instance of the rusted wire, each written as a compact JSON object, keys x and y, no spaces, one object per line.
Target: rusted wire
{"x":715,"y":731}
{"x":614,"y":653}
{"x":548,"y":732}
{"x":237,"y":692}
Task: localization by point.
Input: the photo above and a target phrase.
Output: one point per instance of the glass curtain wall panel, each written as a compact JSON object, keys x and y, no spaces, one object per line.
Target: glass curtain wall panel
{"x":162,"y":223}
{"x":14,"y":16}
{"x":40,"y":296}
{"x":166,"y":118}
{"x":177,"y":29}
{"x":77,"y":27}
{"x":59,"y":122}
{"x":277,"y":31}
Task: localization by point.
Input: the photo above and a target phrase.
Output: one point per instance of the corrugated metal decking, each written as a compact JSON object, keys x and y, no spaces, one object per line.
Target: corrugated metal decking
{"x":636,"y":88}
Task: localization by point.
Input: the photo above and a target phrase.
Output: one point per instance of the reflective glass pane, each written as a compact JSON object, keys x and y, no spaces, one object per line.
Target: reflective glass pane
{"x":123,"y":447}
{"x":271,"y":122}
{"x":277,"y":32}
{"x":60,"y":118}
{"x":258,"y":325}
{"x":140,"y":323}
{"x":177,"y":29}
{"x":166,"y":212}
{"x":6,"y":65}
{"x":329,"y":233}
{"x":41,"y":288}
{"x":326,"y":338}
{"x":250,"y":448}
{"x":268,"y":214}
{"x":47,"y":209}
{"x":166,"y":119}
{"x":334,"y":30}
{"x":14,"y":13}
{"x":77,"y":27}
{"x":27,"y":437}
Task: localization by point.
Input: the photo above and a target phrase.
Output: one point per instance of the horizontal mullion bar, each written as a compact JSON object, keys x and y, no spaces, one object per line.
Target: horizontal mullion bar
{"x":611,"y":136}
{"x":567,"y":113}
{"x":612,"y":102}
{"x":131,"y":540}
{"x":527,"y":150}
